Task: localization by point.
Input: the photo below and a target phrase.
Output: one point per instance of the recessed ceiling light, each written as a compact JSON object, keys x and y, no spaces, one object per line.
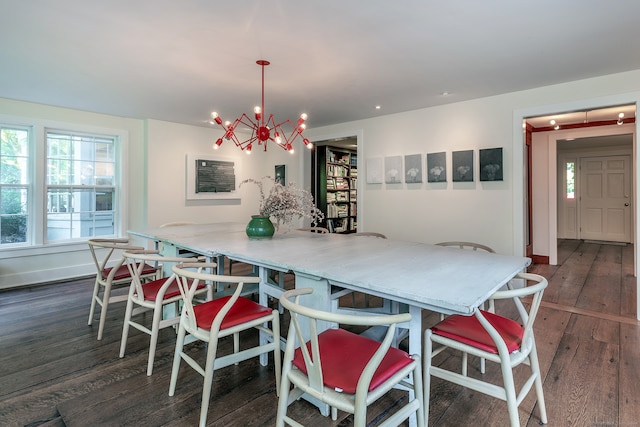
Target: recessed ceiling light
{"x":445,"y":93}
{"x":378,"y":107}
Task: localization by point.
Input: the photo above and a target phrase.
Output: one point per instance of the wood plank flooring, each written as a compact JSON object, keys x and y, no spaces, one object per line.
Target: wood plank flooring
{"x":53,"y":371}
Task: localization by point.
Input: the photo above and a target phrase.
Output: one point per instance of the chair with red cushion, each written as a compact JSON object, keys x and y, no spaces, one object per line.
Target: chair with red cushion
{"x":103,"y":252}
{"x":221,"y":317}
{"x":346,"y":371}
{"x":153,"y":296}
{"x":497,"y":339}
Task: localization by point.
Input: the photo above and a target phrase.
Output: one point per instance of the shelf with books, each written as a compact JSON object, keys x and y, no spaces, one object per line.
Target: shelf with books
{"x":336,"y":187}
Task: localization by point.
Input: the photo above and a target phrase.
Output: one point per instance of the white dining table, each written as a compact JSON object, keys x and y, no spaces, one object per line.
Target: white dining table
{"x":418,"y":275}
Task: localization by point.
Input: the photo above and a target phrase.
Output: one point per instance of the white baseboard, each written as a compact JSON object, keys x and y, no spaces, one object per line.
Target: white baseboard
{"x":43,"y":276}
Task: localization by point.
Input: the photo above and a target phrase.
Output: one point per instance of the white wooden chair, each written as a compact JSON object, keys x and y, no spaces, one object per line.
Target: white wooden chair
{"x":152,"y":296}
{"x":494,"y":338}
{"x":468,"y":245}
{"x":346,"y":371}
{"x":104,"y":252}
{"x":219,"y":318}
{"x":338,"y":292}
{"x":320,"y":230}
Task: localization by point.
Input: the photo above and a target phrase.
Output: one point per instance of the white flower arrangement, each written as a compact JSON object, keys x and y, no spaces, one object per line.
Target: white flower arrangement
{"x":284,"y":203}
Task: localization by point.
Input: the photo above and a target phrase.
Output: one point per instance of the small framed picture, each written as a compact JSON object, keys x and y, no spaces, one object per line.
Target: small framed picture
{"x":462,"y":163}
{"x":281,"y":174}
{"x":491,"y":164}
{"x":413,"y":168}
{"x":437,"y":167}
{"x":393,"y":170}
{"x":374,"y":170}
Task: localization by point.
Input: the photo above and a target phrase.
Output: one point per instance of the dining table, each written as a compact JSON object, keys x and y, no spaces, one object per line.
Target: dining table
{"x":417,"y":275}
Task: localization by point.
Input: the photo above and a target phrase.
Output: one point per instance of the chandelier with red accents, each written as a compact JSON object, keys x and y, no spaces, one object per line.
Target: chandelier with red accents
{"x":262,"y":129}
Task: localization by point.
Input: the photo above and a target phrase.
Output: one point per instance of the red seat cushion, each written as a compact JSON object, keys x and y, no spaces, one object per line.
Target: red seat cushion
{"x":123,"y":272}
{"x":468,"y":330}
{"x":151,"y":289}
{"x":344,"y":356}
{"x":243,"y":310}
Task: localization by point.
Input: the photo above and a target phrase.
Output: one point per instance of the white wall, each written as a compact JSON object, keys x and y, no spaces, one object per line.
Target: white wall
{"x":167,"y":147}
{"x":488,"y":212}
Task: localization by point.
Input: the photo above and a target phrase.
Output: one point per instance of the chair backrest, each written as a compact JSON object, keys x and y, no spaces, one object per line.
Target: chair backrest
{"x":190,"y":275}
{"x":136,"y":260}
{"x":320,"y":230}
{"x":468,"y":245}
{"x":176,"y":223}
{"x":301,"y":316}
{"x":370,"y":233}
{"x":527,"y":317}
{"x":111,"y":246}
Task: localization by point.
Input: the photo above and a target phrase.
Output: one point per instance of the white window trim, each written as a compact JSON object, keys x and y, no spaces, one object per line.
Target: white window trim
{"x":36,"y":244}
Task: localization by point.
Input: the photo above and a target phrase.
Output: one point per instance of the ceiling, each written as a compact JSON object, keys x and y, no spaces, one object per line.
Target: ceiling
{"x":335,"y":60}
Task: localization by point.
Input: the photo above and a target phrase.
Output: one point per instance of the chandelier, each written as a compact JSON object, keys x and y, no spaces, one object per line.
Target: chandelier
{"x":262,"y":129}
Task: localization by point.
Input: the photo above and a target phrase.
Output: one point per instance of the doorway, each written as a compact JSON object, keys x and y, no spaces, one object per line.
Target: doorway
{"x":595,"y":198}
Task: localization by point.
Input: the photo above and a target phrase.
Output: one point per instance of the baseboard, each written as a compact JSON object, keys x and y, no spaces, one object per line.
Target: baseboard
{"x":540,"y":259}
{"x":46,"y":276}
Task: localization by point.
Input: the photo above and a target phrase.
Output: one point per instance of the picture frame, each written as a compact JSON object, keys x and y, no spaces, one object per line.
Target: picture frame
{"x":413,"y":168}
{"x":462,"y":166}
{"x":491,"y":167}
{"x":211,"y":177}
{"x":280,"y":174}
{"x":393,"y":171}
{"x":437,"y":167}
{"x":374,"y":170}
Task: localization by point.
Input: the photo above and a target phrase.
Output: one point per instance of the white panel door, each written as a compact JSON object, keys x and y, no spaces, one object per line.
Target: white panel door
{"x":605,"y":205}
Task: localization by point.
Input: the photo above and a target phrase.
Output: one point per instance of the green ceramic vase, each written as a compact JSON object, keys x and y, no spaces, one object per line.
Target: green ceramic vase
{"x":260,"y":227}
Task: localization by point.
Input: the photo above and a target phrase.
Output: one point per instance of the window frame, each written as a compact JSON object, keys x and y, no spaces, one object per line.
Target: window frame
{"x":37,"y":243}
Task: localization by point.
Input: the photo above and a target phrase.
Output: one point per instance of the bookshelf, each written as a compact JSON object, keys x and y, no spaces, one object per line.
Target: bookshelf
{"x":337,"y":177}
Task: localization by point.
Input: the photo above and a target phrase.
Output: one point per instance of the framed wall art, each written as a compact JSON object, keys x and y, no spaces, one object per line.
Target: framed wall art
{"x":393,"y":170}
{"x":211,"y":177}
{"x":374,"y":170}
{"x":437,"y":167}
{"x":281,"y":174}
{"x":462,"y":165}
{"x":413,"y":168}
{"x":491,"y":164}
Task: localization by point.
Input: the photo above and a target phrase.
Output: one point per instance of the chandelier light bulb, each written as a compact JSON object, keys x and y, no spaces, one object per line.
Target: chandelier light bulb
{"x":258,"y":112}
{"x":216,"y":118}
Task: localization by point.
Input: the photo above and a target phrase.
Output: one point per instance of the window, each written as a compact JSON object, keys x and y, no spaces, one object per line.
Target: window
{"x":571,"y":181}
{"x":58,"y":185}
{"x":14,"y":184}
{"x":81,"y":186}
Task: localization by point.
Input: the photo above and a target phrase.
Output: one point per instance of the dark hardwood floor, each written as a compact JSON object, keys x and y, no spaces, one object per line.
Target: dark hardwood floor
{"x":53,"y":371}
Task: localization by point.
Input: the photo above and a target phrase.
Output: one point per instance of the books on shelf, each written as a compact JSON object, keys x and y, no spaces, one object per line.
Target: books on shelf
{"x":337,"y":170}
{"x":338,"y":225}
{"x":337,"y":210}
{"x":342,"y":184}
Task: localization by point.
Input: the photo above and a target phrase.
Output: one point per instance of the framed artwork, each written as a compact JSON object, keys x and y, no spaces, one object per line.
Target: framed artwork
{"x":462,"y":164}
{"x":393,"y":170}
{"x":437,"y":167}
{"x":374,"y":170}
{"x":491,"y":164}
{"x":413,"y":167}
{"x":280,"y":174}
{"x":211,"y":177}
